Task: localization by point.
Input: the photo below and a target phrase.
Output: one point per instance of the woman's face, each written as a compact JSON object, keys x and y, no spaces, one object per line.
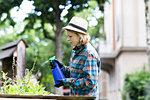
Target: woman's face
{"x":73,"y":38}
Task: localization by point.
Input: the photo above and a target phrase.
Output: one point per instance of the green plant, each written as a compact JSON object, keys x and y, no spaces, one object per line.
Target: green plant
{"x":137,"y":86}
{"x":26,"y":86}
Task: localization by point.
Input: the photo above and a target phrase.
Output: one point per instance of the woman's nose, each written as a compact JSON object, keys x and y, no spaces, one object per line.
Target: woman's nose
{"x":68,"y":39}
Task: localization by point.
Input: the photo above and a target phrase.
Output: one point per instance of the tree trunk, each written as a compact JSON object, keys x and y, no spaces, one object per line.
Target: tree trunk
{"x":58,"y":50}
{"x":58,"y":43}
{"x":58,"y":33}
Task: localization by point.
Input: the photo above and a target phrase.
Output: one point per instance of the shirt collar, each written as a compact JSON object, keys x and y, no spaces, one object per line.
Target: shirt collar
{"x":78,"y":49}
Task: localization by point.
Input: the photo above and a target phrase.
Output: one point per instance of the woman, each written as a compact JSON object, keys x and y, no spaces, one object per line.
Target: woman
{"x":84,"y":66}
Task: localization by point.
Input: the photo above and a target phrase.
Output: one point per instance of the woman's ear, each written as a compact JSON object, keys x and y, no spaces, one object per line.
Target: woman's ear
{"x":81,"y":40}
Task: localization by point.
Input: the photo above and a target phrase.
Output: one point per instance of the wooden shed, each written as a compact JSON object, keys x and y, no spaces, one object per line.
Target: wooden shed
{"x":13,"y":57}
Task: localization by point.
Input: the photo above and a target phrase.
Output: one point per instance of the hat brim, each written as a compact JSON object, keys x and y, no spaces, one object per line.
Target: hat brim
{"x":74,"y":29}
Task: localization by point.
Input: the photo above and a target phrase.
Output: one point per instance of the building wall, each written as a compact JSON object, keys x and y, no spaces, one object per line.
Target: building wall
{"x":103,"y":80}
{"x":131,"y":62}
{"x":133,"y":23}
{"x":125,"y":30}
{"x":118,"y":24}
{"x":108,"y":43}
{"x":126,"y":62}
{"x":130,"y":30}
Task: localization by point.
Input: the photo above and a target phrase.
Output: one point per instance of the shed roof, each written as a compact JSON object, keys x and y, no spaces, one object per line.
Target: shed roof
{"x":9,"y":48}
{"x":12,"y":44}
{"x":7,"y":53}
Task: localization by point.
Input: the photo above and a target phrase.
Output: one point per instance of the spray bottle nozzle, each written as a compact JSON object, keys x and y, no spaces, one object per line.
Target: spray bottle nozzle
{"x":52,"y":58}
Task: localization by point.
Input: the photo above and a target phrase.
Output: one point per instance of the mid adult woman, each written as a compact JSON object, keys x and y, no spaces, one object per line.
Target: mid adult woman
{"x":84,"y":67}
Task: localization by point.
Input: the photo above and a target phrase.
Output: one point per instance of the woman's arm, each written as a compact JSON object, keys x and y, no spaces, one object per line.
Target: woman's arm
{"x":66,"y":71}
{"x":90,"y":79}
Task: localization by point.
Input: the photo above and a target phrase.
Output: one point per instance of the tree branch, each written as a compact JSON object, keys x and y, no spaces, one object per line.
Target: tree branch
{"x":45,"y":32}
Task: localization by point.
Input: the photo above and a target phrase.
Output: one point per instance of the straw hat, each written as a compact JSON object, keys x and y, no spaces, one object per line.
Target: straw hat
{"x":77,"y":24}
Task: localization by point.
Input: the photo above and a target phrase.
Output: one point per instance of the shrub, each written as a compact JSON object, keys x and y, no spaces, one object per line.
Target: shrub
{"x":22,"y":87}
{"x":137,"y":86}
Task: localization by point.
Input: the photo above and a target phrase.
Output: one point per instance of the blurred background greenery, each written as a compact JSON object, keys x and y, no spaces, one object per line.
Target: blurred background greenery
{"x":41,"y":27}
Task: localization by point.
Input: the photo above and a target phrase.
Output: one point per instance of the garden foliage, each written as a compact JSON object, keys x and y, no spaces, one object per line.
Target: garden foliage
{"x":24,"y":87}
{"x":137,"y":86}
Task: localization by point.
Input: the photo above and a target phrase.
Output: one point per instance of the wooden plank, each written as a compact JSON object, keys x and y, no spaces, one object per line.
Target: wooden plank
{"x":7,"y":53}
{"x":49,"y":97}
{"x":22,"y":99}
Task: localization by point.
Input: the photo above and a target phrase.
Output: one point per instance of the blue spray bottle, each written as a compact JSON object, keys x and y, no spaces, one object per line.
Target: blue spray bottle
{"x":57,"y":73}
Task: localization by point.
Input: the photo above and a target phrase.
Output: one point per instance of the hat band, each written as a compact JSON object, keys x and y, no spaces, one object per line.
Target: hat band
{"x":78,"y":27}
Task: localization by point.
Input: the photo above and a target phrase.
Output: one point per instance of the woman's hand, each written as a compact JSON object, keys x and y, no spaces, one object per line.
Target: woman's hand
{"x":60,"y":84}
{"x":53,"y":66}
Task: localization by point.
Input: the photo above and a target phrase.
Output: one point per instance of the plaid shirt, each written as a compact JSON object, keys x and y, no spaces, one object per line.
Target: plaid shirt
{"x":83,"y":71}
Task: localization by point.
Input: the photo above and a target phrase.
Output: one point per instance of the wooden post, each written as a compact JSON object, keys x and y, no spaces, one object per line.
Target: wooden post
{"x":21,"y":60}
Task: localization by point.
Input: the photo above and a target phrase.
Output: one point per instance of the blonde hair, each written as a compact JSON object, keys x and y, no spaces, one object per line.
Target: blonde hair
{"x":84,"y":38}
